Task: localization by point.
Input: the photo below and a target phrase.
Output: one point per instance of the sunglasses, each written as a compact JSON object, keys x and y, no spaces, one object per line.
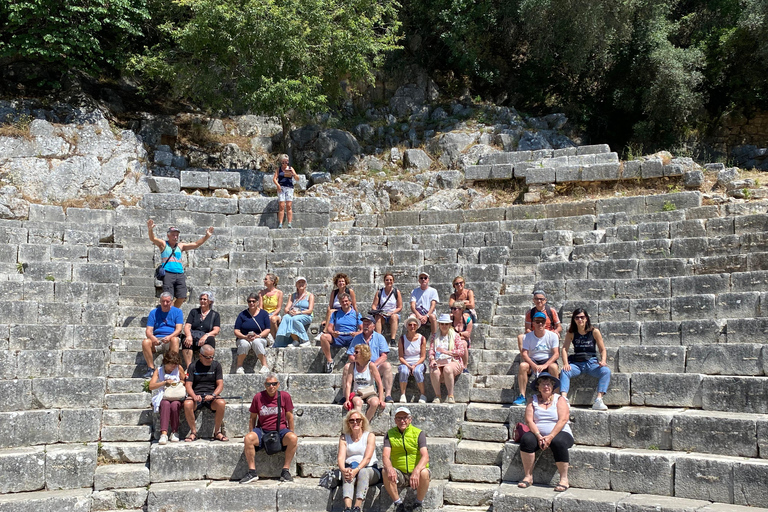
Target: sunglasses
{"x":423,"y":278}
{"x":252,"y":301}
{"x":270,"y":384}
{"x":354,"y":420}
{"x":454,"y":309}
{"x":581,"y":317}
{"x":460,"y":283}
{"x":206,"y":357}
{"x":539,"y":299}
{"x":539,"y":322}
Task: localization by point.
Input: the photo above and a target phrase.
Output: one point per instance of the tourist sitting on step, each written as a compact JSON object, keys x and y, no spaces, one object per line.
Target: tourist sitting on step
{"x":462,"y":324}
{"x":386,"y":307}
{"x":547,"y":418}
{"x":283,"y":180}
{"x":424,"y":300}
{"x":587,"y":343}
{"x":174,"y":280}
{"x":345,"y":324}
{"x":541,"y":348}
{"x":379,"y":352}
{"x":271,"y":416}
{"x":251,"y":332}
{"x":446,"y":358}
{"x":168,"y":374}
{"x":298,"y":316}
{"x":357,"y":460}
{"x":271,"y":301}
{"x":462,"y":293}
{"x":362,"y":383}
{"x":340,"y":286}
{"x":552,"y":321}
{"x":406,"y":461}
{"x":201,"y":328}
{"x":164,"y":325}
{"x":412,"y":350}
{"x":205,"y":381}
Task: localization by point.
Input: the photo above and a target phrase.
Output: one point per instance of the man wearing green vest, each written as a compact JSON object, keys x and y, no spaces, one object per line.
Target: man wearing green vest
{"x":406,"y":460}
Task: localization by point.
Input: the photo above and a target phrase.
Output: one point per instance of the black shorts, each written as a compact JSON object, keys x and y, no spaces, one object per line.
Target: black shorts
{"x":175,"y":284}
{"x":195,"y":347}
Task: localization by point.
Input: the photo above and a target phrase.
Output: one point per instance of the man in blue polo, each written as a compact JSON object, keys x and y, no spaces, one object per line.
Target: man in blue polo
{"x":344,"y":325}
{"x":164,"y":325}
{"x":379,"y":352}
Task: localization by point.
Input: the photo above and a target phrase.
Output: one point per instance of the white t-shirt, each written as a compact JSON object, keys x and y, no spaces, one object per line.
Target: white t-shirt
{"x":424,"y":298}
{"x":540,"y":349}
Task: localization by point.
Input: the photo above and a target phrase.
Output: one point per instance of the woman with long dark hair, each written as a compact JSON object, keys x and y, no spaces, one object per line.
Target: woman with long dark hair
{"x":587,"y":343}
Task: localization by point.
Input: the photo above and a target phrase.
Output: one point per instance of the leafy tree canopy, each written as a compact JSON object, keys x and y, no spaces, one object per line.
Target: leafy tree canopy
{"x":272,"y":56}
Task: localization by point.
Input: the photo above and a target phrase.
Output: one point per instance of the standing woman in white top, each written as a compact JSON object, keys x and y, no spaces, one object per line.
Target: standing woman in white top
{"x":363,"y":384}
{"x":547,"y":417}
{"x":387,"y":304}
{"x":357,"y":460}
{"x":413,"y":352}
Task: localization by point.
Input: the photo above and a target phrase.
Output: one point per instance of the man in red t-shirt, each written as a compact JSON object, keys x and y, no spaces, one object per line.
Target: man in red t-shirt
{"x":264,"y":419}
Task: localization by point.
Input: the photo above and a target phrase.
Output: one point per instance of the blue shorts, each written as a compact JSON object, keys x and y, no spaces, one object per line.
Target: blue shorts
{"x":343,"y":340}
{"x":260,"y":434}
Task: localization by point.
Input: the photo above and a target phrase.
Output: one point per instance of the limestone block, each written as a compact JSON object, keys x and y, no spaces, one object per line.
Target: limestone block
{"x":439,"y":420}
{"x":226,"y":496}
{"x":121,"y":476}
{"x":69,"y":392}
{"x":126,"y":433}
{"x":654,"y":359}
{"x":705,"y":331}
{"x":748,"y":483}
{"x":474,"y":473}
{"x":70,"y":466}
{"x":318,"y":420}
{"x":662,"y":268}
{"x":667,"y":389}
{"x":76,"y":500}
{"x":576,"y":500}
{"x":591,"y":467}
{"x":709,"y":478}
{"x":478,"y":452}
{"x":727,"y":394}
{"x":442,"y":453}
{"x":212,"y":205}
{"x":96,"y":273}
{"x":539,"y":175}
{"x":18,"y":395}
{"x":223,"y":179}
{"x":510,"y":498}
{"x":584,"y":389}
{"x":730,"y":359}
{"x":124,"y":452}
{"x":569,"y":173}
{"x":692,"y":307}
{"x":80,"y":425}
{"x":642,"y":427}
{"x":662,"y":333}
{"x":315,"y":456}
{"x":590,"y":427}
{"x":312,"y":388}
{"x":302,"y":496}
{"x":179,"y":495}
{"x":494,"y":413}
{"x":163,"y":185}
{"x":469,"y":495}
{"x":84,"y":363}
{"x":600,"y":172}
{"x":746,"y":330}
{"x":484,"y":431}
{"x":643,"y":472}
{"x":737,"y":305}
{"x":649,"y":309}
{"x":646,"y":503}
{"x":38,"y":363}
{"x":27,"y":465}
{"x":162,"y":202}
{"x":194,"y":179}
{"x":182,"y":461}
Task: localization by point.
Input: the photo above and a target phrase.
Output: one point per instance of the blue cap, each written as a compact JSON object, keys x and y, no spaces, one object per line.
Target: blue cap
{"x":539,"y":314}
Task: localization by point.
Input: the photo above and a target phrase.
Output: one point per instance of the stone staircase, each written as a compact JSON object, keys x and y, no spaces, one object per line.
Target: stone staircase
{"x":679,"y":290}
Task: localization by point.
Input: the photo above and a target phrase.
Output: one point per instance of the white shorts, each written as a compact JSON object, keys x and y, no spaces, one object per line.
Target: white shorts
{"x":285,"y":194}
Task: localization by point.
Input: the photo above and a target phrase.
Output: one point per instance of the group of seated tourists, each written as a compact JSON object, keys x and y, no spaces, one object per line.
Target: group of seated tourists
{"x":271,"y":319}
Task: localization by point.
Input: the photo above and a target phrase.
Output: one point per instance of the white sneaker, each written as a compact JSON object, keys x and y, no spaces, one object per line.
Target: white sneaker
{"x":270,"y":340}
{"x":240,"y":370}
{"x":173,"y":437}
{"x":317,"y":338}
{"x":163,"y":439}
{"x":422,"y":399}
{"x":305,"y":344}
{"x":264,"y":369}
{"x":403,"y":400}
{"x":599,"y":405}
{"x":436,"y":401}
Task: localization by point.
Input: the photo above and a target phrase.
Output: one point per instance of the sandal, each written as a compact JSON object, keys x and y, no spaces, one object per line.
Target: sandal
{"x":218,"y":436}
{"x":524,"y":484}
{"x":561,"y":488}
{"x":191,"y":437}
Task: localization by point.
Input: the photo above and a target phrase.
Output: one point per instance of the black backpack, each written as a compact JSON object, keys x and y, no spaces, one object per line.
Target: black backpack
{"x":549,"y":314}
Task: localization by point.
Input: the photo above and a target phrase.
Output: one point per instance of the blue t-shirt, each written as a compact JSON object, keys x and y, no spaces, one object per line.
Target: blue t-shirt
{"x":245,"y":323}
{"x":346,"y":322}
{"x":378,"y":345}
{"x":164,"y":323}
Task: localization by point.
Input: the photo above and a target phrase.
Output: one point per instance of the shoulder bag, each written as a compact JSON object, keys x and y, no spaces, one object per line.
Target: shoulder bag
{"x":271,"y":438}
{"x":160,"y":270}
{"x":175,"y":392}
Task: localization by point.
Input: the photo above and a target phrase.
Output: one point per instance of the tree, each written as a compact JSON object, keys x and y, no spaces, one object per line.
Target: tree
{"x":79,"y":34}
{"x":275,"y":57}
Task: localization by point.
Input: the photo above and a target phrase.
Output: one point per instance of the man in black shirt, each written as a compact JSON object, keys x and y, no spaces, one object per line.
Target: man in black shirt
{"x":205,"y":380}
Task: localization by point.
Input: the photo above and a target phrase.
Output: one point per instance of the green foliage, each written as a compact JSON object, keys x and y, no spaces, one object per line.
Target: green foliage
{"x":669,"y":206}
{"x":80,"y":34}
{"x":272,"y":56}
